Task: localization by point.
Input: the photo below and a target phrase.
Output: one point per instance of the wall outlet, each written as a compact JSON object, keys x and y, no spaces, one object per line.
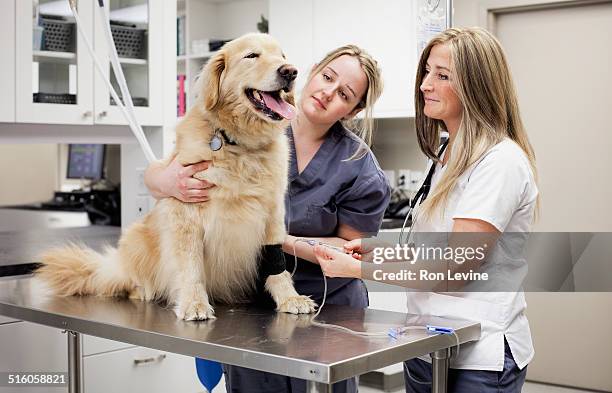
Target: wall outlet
{"x":403,"y":179}
{"x":390,"y":174}
{"x":416,"y":177}
{"x":142,"y":206}
{"x":141,"y":188}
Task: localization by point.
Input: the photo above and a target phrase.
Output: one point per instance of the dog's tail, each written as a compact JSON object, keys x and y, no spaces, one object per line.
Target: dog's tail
{"x":79,"y":270}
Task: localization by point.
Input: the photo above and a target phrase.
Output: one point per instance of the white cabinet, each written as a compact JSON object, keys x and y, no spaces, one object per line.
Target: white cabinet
{"x":30,"y":347}
{"x":140,"y":370}
{"x":7,"y":68}
{"x":143,"y":73}
{"x":52,"y":74}
{"x":62,"y":71}
{"x":108,"y":366}
{"x":308,"y":30}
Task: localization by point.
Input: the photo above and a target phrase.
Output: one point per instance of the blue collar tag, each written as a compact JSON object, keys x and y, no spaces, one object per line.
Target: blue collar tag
{"x":216,"y":143}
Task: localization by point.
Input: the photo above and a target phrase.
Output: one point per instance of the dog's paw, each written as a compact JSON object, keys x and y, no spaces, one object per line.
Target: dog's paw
{"x":298,"y":305}
{"x":195,"y":311}
{"x":137,"y":293}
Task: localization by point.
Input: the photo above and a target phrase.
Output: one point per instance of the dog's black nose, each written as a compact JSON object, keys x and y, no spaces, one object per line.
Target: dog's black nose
{"x":288,"y":72}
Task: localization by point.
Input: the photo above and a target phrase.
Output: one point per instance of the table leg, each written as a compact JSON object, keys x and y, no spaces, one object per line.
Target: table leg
{"x":439,"y":362}
{"x":318,"y":387}
{"x":75,"y":363}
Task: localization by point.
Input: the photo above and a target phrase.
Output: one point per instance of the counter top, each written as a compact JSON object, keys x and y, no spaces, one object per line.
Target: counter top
{"x":19,"y":249}
{"x":241,"y":335}
{"x":24,"y":218}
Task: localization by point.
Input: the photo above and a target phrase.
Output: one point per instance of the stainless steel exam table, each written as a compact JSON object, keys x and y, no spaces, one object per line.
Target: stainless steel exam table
{"x":241,"y":335}
{"x":244,"y":335}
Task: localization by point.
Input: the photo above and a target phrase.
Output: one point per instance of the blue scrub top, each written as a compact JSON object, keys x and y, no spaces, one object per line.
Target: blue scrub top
{"x":329,"y":192}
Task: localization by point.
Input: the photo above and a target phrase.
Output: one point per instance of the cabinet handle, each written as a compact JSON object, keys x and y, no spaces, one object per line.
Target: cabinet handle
{"x":102,"y":114}
{"x":87,"y":114}
{"x":152,"y":359}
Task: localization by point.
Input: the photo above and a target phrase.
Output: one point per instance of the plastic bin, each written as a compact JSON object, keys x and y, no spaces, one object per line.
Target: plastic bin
{"x":58,"y":35}
{"x":129,"y":40}
{"x":53,"y":98}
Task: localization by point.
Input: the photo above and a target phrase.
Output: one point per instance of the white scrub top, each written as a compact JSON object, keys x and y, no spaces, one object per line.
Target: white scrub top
{"x":500,"y":189}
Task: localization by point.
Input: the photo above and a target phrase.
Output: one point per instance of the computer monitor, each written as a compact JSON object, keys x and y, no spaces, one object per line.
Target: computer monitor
{"x":86,"y":161}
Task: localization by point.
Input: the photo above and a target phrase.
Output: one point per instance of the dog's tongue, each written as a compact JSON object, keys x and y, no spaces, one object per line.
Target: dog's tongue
{"x":281,"y":107}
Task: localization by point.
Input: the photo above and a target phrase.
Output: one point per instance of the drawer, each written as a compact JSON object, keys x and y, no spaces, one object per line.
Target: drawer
{"x":140,"y":370}
{"x":94,"y":345}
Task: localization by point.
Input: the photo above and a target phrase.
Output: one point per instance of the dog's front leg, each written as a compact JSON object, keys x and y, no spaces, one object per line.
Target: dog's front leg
{"x":279,"y":283}
{"x":285,"y":296}
{"x":186,"y":250}
{"x":192,"y":302}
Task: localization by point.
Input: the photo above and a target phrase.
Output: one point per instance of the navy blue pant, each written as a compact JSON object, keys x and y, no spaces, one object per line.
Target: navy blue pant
{"x":244,"y":380}
{"x":308,"y":281}
{"x":509,"y":380}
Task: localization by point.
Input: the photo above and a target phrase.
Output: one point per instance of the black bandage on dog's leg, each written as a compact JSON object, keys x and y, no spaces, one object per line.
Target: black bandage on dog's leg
{"x":271,"y":260}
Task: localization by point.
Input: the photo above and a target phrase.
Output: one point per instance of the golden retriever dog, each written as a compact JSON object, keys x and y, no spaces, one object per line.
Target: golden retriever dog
{"x":192,"y":254}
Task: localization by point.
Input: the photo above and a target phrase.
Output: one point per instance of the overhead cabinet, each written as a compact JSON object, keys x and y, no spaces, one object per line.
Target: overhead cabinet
{"x":55,"y":77}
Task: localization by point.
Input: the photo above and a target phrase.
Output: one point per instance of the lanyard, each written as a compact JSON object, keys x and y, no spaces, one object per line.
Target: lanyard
{"x":426,"y":186}
{"x":421,"y":194}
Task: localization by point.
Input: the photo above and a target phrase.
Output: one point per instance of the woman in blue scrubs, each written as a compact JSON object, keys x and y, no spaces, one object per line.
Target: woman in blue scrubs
{"x":336,"y":190}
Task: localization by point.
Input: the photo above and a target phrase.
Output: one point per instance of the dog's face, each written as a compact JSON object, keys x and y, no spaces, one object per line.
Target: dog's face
{"x":251,"y":78}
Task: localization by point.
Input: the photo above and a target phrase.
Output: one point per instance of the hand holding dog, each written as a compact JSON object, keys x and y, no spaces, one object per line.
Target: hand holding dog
{"x":177,"y":181}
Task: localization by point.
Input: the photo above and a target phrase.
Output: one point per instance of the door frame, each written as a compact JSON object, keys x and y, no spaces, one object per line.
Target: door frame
{"x":489,"y":9}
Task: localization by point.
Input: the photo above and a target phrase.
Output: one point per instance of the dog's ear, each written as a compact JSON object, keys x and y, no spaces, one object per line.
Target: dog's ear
{"x":212,"y":80}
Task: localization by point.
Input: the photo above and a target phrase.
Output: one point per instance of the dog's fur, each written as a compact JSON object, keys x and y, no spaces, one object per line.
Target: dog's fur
{"x":193,"y":253}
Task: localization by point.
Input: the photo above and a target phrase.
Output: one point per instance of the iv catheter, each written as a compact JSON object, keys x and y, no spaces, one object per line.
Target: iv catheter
{"x":128,"y":113}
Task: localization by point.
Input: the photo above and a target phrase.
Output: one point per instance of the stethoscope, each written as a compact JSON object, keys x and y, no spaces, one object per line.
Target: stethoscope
{"x":421,"y":195}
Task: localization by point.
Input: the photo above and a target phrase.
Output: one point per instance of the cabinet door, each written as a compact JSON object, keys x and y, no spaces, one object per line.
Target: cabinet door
{"x":54,"y":78}
{"x":138,"y":34}
{"x":30,"y":347}
{"x":386,"y":30}
{"x":7,"y":62}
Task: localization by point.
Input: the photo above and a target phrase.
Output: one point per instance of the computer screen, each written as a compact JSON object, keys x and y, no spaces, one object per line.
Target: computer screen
{"x":85,"y":161}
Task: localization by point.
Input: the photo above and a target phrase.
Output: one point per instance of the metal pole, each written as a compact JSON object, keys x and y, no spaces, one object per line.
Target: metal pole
{"x":449,"y":14}
{"x":439,"y":373}
{"x":75,"y":363}
{"x":318,"y":387}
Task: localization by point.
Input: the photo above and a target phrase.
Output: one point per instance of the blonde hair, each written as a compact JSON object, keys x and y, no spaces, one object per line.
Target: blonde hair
{"x":481,"y":78}
{"x":363,"y":128}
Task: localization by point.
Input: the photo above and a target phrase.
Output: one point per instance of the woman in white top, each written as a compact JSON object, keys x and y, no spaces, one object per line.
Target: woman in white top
{"x":485,"y":183}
